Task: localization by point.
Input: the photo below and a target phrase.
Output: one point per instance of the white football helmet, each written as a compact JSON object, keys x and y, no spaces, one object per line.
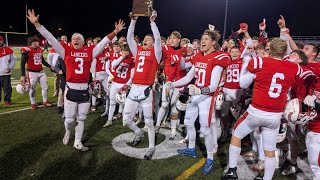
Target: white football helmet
{"x":219,"y":100}
{"x":183,"y":100}
{"x":121,"y":97}
{"x":23,"y":88}
{"x":293,"y":113}
{"x":292,"y":110}
{"x":95,"y":88}
{"x":282,"y":132}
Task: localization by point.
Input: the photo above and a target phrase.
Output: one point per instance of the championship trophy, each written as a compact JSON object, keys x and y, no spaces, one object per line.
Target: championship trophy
{"x":143,"y":8}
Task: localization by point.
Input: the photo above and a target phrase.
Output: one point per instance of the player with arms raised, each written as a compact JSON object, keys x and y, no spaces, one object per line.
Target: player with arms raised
{"x":78,"y":59}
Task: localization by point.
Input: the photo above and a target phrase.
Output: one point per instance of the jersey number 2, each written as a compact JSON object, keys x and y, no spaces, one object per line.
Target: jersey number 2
{"x":140,"y":64}
{"x":272,"y":93}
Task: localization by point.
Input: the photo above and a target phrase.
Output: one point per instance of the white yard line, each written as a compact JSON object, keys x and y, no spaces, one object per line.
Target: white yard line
{"x":18,"y":110}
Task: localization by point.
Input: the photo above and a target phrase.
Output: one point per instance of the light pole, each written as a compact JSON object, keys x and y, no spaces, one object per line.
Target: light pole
{"x":225,"y":20}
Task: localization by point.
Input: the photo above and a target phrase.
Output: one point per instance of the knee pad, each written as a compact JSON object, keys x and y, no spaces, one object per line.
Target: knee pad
{"x":205,"y":130}
{"x":164,"y":104}
{"x":69,"y":120}
{"x":82,"y":118}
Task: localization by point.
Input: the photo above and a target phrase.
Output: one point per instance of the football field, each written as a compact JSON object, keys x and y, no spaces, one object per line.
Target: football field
{"x":31,"y":148}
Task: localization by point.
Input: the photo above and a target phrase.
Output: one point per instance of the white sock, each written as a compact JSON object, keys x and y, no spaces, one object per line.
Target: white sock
{"x":107,"y":105}
{"x":79,"y":131}
{"x":254,"y":142}
{"x":269,"y":168}
{"x":192,"y":136}
{"x":151,"y":135}
{"x":173,"y":126}
{"x":161,"y":114}
{"x":210,"y":155}
{"x":67,"y":127}
{"x":260,"y":148}
{"x":132,"y":125}
{"x":112,"y":108}
{"x":93,"y":100}
{"x":234,"y":153}
{"x":44,"y":94}
{"x":120,"y":109}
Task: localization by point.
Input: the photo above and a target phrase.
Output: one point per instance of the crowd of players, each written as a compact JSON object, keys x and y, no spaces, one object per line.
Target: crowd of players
{"x":263,"y":87}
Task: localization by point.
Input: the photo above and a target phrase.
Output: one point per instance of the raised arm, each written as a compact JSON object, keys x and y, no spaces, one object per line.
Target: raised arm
{"x":107,"y":39}
{"x":34,"y":19}
{"x":246,"y":77}
{"x":130,"y":37}
{"x":157,"y":38}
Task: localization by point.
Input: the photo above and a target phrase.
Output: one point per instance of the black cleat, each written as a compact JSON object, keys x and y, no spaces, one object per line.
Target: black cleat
{"x":231,"y":174}
{"x":149,"y":154}
{"x":138,"y":138}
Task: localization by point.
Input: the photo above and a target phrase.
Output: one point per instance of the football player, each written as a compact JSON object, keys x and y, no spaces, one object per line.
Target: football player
{"x":207,"y":69}
{"x":272,"y":79}
{"x":32,"y":56}
{"x":147,"y":60}
{"x":123,"y":67}
{"x":78,"y":59}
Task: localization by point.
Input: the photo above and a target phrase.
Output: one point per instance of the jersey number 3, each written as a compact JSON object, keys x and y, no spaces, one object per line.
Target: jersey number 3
{"x":79,"y":70}
{"x":275,"y":89}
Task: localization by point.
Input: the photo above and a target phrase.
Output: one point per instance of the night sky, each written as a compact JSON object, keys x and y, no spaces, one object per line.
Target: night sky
{"x":94,"y":17}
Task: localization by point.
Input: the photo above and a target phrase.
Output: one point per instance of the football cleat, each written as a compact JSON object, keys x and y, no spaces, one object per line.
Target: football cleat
{"x":290,"y":169}
{"x":138,"y":138}
{"x":81,"y":147}
{"x":231,"y":174}
{"x":149,"y":154}
{"x":171,"y":137}
{"x":183,"y":141}
{"x":108,"y":123}
{"x":93,"y":108}
{"x":66,"y":138}
{"x":118,"y":116}
{"x":208,"y":167}
{"x":188,"y":152}
{"x":33,"y":107}
{"x":47,"y":104}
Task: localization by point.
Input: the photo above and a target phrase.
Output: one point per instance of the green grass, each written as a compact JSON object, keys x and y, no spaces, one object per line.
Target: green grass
{"x":31,"y":148}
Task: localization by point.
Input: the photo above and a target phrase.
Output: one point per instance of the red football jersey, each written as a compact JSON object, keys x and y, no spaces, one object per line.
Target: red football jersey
{"x":171,"y":57}
{"x":233,"y":74}
{"x":205,"y":64}
{"x":101,"y":62}
{"x":78,"y":63}
{"x":301,"y":88}
{"x":113,"y":56}
{"x":34,"y":62}
{"x":123,"y":70}
{"x":314,"y":67}
{"x":273,"y":79}
{"x":146,"y":66}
